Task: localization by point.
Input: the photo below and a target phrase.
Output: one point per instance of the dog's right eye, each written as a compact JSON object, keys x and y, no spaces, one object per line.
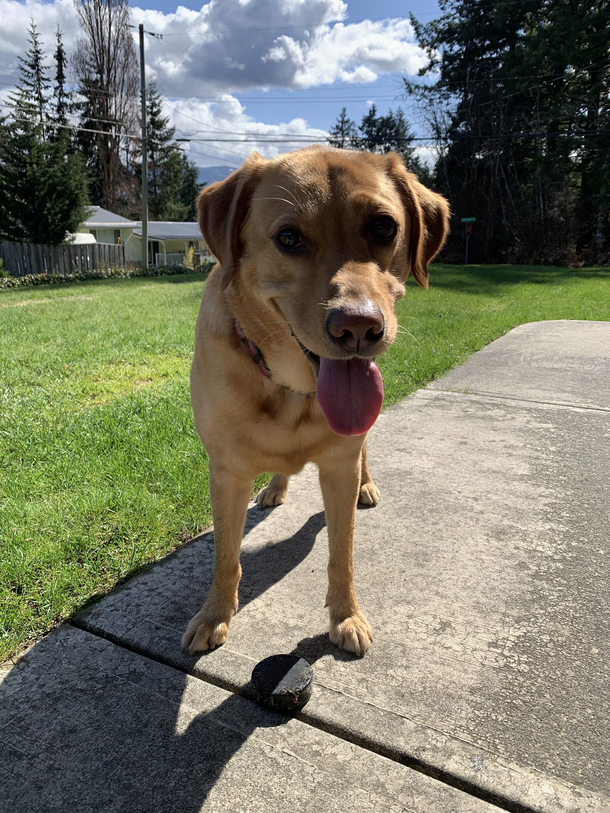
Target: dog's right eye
{"x":289,"y":239}
{"x":383,"y":229}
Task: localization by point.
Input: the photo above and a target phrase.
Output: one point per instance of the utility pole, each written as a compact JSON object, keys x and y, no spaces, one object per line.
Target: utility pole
{"x":144,"y":154}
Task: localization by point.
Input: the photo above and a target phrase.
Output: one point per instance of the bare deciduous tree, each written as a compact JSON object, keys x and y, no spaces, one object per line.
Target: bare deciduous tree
{"x":106,"y":68}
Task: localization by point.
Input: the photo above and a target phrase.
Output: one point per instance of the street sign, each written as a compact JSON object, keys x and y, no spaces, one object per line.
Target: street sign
{"x":468,"y":221}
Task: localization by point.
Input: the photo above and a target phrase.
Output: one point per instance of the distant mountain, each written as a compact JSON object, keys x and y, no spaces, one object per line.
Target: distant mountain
{"x":210,"y":174}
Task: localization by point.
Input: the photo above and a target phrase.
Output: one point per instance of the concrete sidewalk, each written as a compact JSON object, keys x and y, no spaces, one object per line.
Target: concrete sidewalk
{"x":485,"y":572}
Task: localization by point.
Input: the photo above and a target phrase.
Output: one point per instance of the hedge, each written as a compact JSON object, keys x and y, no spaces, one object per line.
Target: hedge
{"x":101,"y":273}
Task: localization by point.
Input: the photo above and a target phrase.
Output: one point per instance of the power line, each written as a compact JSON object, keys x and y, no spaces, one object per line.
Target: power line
{"x":79,"y":129}
{"x":259,"y":140}
{"x":298,"y":101}
{"x":222,"y":149}
{"x":218,"y":157}
{"x":424,"y":140}
{"x":220,"y":129}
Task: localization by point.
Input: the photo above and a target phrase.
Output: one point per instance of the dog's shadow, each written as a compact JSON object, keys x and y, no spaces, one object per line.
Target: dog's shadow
{"x":236,"y":719}
{"x":149,"y":750}
{"x":219,"y":735}
{"x":266,"y":566}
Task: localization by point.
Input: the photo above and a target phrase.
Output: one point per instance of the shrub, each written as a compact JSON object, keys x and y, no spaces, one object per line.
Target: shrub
{"x":100,"y":273}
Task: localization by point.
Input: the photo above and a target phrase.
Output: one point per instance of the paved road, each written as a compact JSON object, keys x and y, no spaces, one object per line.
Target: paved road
{"x":485,"y":572}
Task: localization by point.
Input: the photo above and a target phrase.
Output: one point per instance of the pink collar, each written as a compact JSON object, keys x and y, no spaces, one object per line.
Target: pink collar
{"x":252,"y":350}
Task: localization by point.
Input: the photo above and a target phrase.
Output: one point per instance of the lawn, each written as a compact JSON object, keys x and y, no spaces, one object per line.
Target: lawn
{"x":102,"y":471}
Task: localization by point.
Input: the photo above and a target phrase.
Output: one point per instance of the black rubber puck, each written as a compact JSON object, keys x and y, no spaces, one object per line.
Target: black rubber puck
{"x":282,"y":682}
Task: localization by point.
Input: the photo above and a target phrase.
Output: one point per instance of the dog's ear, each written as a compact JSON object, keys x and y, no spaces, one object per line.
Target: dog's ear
{"x":428,"y":214}
{"x":222,"y":208}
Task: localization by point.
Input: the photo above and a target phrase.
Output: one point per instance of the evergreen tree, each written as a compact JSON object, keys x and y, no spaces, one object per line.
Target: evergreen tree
{"x":62,"y":97}
{"x":172,"y":178}
{"x":189,"y":188}
{"x":388,"y":133}
{"x":379,"y":134}
{"x":343,"y":133}
{"x":160,"y":146}
{"x":518,"y":108}
{"x":30,"y":98}
{"x":42,"y":185}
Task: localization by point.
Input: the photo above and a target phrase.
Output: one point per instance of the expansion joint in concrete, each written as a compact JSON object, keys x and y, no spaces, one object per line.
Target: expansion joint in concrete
{"x":361,"y":741}
{"x":529,"y":401}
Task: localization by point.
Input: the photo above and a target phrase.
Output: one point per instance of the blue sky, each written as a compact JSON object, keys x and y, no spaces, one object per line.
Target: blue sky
{"x":249,"y":71}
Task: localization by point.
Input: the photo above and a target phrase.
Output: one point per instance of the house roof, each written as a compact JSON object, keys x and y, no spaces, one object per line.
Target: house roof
{"x":165,"y":230}
{"x":99,"y":218}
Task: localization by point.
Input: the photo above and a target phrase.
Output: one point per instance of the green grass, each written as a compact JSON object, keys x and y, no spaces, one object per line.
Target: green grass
{"x":102,"y":471}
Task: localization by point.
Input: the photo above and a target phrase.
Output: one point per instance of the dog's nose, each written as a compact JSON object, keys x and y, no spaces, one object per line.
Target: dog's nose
{"x":355,"y":329}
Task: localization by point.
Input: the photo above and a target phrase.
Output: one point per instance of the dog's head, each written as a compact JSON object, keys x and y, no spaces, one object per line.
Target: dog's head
{"x":319,"y":242}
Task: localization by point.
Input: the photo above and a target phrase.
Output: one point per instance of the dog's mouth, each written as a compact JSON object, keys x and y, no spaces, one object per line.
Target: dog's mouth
{"x":349,"y":391}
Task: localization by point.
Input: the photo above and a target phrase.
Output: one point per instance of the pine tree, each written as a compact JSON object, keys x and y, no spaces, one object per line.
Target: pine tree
{"x":387,"y":133}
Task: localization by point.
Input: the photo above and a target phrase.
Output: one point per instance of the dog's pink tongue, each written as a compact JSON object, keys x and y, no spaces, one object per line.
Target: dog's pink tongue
{"x":350,"y":394}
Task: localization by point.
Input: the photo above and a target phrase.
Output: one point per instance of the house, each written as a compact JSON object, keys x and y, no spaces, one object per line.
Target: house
{"x":106,"y":227}
{"x":168,"y":242}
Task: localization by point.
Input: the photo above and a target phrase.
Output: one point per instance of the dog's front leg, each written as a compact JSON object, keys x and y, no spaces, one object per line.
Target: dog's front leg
{"x":230,"y":495}
{"x":340,"y":483}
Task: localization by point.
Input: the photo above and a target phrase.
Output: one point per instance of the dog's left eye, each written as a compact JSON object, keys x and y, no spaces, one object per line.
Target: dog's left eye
{"x":289,"y":239}
{"x":383,"y":228}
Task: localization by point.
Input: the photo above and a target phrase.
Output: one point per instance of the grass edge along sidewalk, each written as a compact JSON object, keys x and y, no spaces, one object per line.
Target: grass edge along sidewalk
{"x":102,"y":470}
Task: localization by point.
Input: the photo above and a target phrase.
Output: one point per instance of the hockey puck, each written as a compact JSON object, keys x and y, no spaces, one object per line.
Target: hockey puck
{"x":282,"y":683}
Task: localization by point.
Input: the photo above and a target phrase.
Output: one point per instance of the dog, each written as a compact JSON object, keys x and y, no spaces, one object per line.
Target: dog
{"x":313,"y":251}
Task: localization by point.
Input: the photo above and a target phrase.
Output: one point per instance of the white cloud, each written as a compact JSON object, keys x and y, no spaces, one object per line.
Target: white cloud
{"x":238,"y":45}
{"x":231,"y":45}
{"x":16,"y":17}
{"x":226,"y":119}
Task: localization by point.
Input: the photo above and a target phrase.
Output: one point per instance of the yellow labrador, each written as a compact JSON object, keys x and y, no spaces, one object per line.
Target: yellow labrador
{"x":314,"y":248}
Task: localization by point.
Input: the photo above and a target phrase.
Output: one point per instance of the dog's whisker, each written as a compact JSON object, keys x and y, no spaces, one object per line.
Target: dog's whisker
{"x":296,"y":200}
{"x":403,"y":333}
{"x":289,"y":202}
{"x":275,"y":332}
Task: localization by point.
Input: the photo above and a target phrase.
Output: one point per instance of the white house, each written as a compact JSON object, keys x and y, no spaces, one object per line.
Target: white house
{"x":107,"y":227}
{"x":168,"y":242}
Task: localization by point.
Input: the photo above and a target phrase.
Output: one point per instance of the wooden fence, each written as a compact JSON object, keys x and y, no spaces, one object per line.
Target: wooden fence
{"x":24,"y":258}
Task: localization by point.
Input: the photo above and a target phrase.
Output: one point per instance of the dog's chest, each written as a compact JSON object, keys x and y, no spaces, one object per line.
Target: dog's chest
{"x":286,"y":434}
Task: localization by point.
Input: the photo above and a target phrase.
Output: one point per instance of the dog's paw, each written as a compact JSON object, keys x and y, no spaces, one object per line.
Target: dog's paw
{"x":205,"y":631}
{"x":275,"y":493}
{"x":354,"y":634}
{"x":369,"y":494}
